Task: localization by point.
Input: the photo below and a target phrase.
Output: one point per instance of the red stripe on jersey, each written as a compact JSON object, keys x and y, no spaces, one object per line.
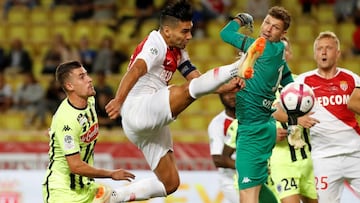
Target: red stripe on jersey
{"x":216,"y":72}
{"x":138,"y":49}
{"x":172,"y":59}
{"x":333,"y":95}
{"x":227,"y":123}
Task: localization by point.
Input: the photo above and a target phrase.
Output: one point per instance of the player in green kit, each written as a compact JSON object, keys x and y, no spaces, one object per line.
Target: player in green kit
{"x":73,"y":134}
{"x":256,"y":127}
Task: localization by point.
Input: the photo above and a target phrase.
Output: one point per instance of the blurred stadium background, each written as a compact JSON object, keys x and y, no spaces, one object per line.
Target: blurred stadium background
{"x":22,"y":148}
{"x":36,"y":28}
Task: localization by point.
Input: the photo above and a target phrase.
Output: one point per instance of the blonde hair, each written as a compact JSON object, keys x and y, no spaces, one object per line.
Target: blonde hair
{"x":327,"y":34}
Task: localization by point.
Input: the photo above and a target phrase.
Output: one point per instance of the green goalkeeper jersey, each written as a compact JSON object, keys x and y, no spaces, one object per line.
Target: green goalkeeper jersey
{"x":72,"y":131}
{"x":254,"y":102}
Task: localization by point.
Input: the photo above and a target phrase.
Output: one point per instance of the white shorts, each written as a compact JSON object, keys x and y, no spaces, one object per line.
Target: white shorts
{"x":227,"y":185}
{"x":145,"y":119}
{"x":330,"y":174}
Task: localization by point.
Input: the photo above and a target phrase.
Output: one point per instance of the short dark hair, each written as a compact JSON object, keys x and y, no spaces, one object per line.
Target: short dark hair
{"x":180,"y":10}
{"x":281,"y":13}
{"x":63,"y":71}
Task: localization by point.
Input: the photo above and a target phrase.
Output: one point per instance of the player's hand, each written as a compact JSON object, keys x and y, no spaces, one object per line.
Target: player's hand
{"x":281,"y":134}
{"x":294,"y":137}
{"x":121,"y":174}
{"x":234,"y":85}
{"x":113,"y":109}
{"x":246,"y":20}
{"x":307,"y":121}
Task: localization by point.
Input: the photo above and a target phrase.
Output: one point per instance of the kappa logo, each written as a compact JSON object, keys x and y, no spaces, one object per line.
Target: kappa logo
{"x":246,"y":180}
{"x":66,"y":128}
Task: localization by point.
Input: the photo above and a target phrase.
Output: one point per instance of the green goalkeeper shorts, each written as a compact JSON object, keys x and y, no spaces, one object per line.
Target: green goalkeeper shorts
{"x":254,"y":146}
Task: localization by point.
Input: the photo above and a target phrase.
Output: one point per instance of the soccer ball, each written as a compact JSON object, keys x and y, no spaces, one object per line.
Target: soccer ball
{"x":297,"y":98}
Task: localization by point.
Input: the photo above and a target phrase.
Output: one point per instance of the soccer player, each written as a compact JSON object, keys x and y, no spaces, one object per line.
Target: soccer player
{"x":217,"y":131}
{"x":291,"y":169}
{"x":336,"y":138}
{"x":73,"y":134}
{"x":257,"y":129}
{"x":148,"y":104}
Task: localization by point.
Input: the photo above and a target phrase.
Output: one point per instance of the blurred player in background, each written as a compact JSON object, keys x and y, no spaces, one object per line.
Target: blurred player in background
{"x":257,"y":129}
{"x":336,"y":138}
{"x":291,"y":169}
{"x":148,"y":104}
{"x":217,"y":131}
{"x":73,"y":135}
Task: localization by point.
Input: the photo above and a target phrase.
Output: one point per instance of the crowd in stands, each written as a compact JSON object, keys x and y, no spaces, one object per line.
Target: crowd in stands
{"x":104,"y":59}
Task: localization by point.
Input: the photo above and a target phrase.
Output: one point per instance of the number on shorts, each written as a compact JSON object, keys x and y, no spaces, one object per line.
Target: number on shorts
{"x":289,"y":183}
{"x":321,"y":183}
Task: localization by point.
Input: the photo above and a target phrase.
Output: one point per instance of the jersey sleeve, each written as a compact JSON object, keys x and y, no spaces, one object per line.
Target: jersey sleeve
{"x":230,"y":35}
{"x":216,"y":137}
{"x":67,"y":131}
{"x":152,"y":52}
{"x":230,"y":138}
{"x":287,"y":77}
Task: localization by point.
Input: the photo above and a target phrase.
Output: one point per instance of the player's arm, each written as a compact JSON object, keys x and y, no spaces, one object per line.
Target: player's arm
{"x":354,"y":101}
{"x":137,"y":70}
{"x":279,"y":114}
{"x":229,"y":147}
{"x":234,"y":85}
{"x":286,"y":77}
{"x":79,"y":167}
{"x":230,"y":34}
{"x":224,"y":160}
{"x":281,"y":134}
{"x":305,"y":121}
{"x":193,"y":74}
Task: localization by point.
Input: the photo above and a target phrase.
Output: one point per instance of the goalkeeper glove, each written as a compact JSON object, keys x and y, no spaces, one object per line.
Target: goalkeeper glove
{"x":246,"y":20}
{"x":294,"y":137}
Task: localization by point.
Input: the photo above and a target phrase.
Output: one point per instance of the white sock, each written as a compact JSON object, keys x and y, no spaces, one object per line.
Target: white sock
{"x":213,"y":79}
{"x":140,"y":190}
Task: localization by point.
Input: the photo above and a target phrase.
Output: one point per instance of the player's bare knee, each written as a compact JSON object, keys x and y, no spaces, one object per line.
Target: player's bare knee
{"x":172,"y":187}
{"x":172,"y":184}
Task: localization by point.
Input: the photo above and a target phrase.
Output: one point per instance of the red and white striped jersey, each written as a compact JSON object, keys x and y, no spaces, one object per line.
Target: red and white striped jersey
{"x":161,"y":62}
{"x":338,"y":131}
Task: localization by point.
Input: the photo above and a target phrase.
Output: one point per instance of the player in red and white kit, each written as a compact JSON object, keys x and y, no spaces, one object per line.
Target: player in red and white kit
{"x":336,"y":138}
{"x":217,"y":131}
{"x":148,"y":104}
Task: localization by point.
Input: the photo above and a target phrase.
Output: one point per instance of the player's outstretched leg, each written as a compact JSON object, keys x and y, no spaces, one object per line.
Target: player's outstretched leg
{"x":103,"y":194}
{"x":246,"y":70}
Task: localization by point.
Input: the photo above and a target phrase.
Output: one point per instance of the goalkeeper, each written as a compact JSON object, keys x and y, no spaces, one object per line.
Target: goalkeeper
{"x":257,"y":129}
